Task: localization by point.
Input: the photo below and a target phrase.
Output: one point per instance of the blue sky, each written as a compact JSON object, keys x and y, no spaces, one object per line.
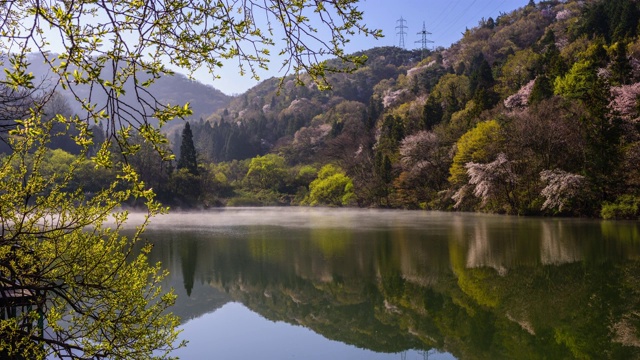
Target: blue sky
{"x":446,"y":20}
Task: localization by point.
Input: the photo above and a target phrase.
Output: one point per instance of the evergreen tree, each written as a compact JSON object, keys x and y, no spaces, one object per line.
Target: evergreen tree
{"x":603,"y":134}
{"x":481,"y":77}
{"x":621,"y":69}
{"x":542,"y":89}
{"x":432,"y":112}
{"x":188,"y":158}
{"x":373,"y":112}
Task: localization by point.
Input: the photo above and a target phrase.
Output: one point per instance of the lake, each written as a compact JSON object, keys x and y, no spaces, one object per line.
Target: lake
{"x":309,"y":283}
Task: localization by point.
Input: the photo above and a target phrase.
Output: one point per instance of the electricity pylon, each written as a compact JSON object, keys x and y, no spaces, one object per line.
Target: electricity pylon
{"x":424,"y":41}
{"x":401,"y":31}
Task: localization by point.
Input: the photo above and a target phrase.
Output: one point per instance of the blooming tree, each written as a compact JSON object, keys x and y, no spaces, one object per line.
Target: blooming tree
{"x":494,"y":180}
{"x":625,"y":101}
{"x":561,"y":188}
{"x":419,"y":152}
{"x":521,"y":98}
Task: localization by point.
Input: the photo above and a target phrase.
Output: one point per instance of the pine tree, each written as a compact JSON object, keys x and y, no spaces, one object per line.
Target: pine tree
{"x":621,"y":70}
{"x":188,"y":158}
{"x":542,"y":89}
{"x":432,"y":112}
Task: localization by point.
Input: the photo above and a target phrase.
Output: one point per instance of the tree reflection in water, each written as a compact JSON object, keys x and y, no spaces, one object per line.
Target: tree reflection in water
{"x":476,"y":286}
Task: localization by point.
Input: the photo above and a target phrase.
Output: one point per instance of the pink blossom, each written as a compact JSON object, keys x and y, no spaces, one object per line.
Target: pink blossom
{"x":414,"y":148}
{"x":625,"y":101}
{"x":563,"y":15}
{"x":521,"y":98}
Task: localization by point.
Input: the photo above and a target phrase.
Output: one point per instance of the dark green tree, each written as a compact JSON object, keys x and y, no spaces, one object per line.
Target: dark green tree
{"x":374,"y":110}
{"x":614,"y":20}
{"x":432,"y":112}
{"x":542,"y":89}
{"x":621,"y":70}
{"x":188,"y":157}
{"x":481,"y":83}
{"x":603,"y":138}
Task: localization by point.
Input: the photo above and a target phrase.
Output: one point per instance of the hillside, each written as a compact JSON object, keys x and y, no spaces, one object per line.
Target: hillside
{"x":175,"y":90}
{"x":532,"y":112}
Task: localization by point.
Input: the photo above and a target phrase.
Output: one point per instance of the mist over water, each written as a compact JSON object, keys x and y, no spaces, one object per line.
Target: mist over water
{"x":297,"y":217}
{"x":312,"y":217}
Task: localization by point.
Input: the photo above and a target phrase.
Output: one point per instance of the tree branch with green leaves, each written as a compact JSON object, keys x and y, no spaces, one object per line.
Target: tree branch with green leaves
{"x":62,"y":251}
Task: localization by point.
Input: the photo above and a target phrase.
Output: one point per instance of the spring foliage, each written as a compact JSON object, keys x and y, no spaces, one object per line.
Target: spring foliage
{"x":332,"y":187}
{"x":63,"y":248}
{"x":474,"y":146}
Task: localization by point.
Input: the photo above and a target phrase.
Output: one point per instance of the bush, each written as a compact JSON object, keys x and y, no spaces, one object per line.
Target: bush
{"x":332,"y":187}
{"x":625,"y":207}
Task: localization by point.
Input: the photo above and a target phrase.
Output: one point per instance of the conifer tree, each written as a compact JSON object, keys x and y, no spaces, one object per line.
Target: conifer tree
{"x":188,"y":157}
{"x":621,"y":70}
{"x":542,"y":89}
{"x":432,"y":112}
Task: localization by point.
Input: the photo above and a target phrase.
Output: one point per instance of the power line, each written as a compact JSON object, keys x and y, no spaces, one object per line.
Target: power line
{"x":445,"y":11}
{"x":459,"y":17}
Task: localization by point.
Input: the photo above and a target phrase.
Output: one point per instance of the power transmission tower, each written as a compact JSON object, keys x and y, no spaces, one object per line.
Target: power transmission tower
{"x":424,"y":41}
{"x":401,"y":31}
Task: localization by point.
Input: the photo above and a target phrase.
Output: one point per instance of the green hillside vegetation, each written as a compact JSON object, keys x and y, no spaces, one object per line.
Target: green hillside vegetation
{"x":535,"y":112}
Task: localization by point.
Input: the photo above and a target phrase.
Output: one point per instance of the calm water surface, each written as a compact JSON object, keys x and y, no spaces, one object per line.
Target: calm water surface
{"x":301,"y":283}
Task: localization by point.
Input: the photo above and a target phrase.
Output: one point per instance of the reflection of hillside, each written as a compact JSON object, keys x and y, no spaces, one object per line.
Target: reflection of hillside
{"x":480,"y":290}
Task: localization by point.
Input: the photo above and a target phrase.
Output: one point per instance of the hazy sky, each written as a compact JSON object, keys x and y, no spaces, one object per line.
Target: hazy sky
{"x":446,"y":20}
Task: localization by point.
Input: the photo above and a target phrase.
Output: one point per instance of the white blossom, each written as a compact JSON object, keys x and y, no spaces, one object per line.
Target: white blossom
{"x":561,"y":187}
{"x":491,"y":179}
{"x":416,"y":150}
{"x":521,"y":98}
{"x":460,"y":195}
{"x":625,"y":101}
{"x":563,"y":15}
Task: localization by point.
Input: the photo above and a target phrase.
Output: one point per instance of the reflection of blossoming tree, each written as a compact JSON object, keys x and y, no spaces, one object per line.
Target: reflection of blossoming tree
{"x":561,"y":188}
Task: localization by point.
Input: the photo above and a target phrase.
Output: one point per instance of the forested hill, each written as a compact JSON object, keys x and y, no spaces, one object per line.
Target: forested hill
{"x":270,"y":116}
{"x":534,"y":112}
{"x":176,"y":89}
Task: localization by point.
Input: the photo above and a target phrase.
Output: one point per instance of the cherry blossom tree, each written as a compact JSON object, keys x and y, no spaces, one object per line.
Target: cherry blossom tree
{"x":562,"y":187}
{"x":521,"y":98}
{"x":425,"y":163}
{"x":624,"y":101}
{"x":494,"y":181}
{"x":422,"y":156}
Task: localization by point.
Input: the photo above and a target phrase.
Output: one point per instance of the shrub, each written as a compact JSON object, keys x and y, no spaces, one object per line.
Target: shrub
{"x":625,"y":207}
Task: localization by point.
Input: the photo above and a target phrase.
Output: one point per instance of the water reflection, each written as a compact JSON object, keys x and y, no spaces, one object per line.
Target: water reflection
{"x":477,"y":286}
